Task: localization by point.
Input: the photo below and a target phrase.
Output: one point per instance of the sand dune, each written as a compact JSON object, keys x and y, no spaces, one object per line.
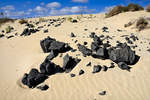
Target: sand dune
{"x":19,"y":54}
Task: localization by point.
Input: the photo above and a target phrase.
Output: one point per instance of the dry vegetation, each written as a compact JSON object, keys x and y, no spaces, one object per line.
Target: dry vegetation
{"x":141,"y":24}
{"x":120,"y":9}
{"x":22,"y":21}
{"x":5,"y":20}
{"x":148,"y":8}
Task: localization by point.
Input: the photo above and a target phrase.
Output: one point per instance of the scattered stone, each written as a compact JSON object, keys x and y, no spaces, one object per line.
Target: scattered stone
{"x":73,"y":50}
{"x":102,"y":93}
{"x":33,"y":78}
{"x":74,"y":21}
{"x":69,"y":62}
{"x":92,"y":35}
{"x":72,"y":35}
{"x":46,"y":31}
{"x":85,"y":29}
{"x":119,"y":30}
{"x":30,"y":25}
{"x":112,"y":65}
{"x":105,"y":29}
{"x":72,"y":75}
{"x":124,"y":66}
{"x":97,"y":40}
{"x":43,"y":87}
{"x":97,"y":68}
{"x":81,"y":72}
{"x":28,"y":32}
{"x":2,"y":35}
{"x":85,"y":51}
{"x":89,"y":64}
{"x":85,"y":43}
{"x":105,"y":68}
{"x":8,"y":37}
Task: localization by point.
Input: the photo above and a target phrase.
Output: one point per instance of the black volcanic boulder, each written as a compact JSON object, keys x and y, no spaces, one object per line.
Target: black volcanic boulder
{"x":124,"y":66}
{"x":57,"y":46}
{"x":97,"y":68}
{"x":49,"y":68}
{"x":122,"y":53}
{"x":94,"y":46}
{"x":33,"y":78}
{"x":101,"y":53}
{"x":97,"y":40}
{"x":52,"y":55}
{"x":69,"y":62}
{"x":45,"y":44}
{"x":49,"y":44}
{"x":85,"y":51}
{"x":43,"y":87}
{"x":28,"y":32}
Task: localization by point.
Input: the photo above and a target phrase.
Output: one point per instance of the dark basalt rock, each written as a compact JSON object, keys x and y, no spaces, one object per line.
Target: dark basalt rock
{"x":74,"y":21}
{"x":134,"y":37}
{"x":124,"y":66}
{"x":105,"y":68}
{"x":57,"y":46}
{"x":45,"y":44}
{"x":72,"y":75}
{"x":89,"y":64}
{"x":85,"y":43}
{"x":33,"y":78}
{"x":46,"y":31}
{"x":102,"y":93}
{"x":97,"y":68}
{"x":43,"y":87}
{"x":122,"y":53}
{"x":92,"y":35}
{"x":105,"y":29}
{"x":52,"y":55}
{"x":50,"y":44}
{"x":112,"y":65}
{"x":81,"y":72}
{"x":101,"y":53}
{"x":72,"y":35}
{"x":97,"y":40}
{"x":85,"y":51}
{"x":28,"y":32}
{"x":30,"y":25}
{"x":2,"y":35}
{"x":49,"y":68}
{"x":69,"y":62}
{"x":94,"y":46}
{"x":10,"y":36}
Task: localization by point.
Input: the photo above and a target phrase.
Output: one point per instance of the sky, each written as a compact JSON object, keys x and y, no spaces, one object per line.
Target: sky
{"x":36,"y":8}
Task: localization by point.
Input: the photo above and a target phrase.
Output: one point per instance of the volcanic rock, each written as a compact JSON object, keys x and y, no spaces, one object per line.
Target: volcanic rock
{"x":97,"y":68}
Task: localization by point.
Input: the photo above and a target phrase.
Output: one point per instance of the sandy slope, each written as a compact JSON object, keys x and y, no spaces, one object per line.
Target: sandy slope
{"x":19,"y":54}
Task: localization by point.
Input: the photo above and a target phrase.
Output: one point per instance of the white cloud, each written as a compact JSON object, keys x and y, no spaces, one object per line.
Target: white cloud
{"x":71,"y":10}
{"x":8,"y":7}
{"x":16,"y":14}
{"x":81,"y":1}
{"x":107,"y":9}
{"x":53,"y":5}
{"x":40,"y":10}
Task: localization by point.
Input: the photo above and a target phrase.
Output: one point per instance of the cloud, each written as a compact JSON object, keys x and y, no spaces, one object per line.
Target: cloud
{"x":71,"y":10}
{"x":80,"y":1}
{"x":40,"y":10}
{"x":8,"y":7}
{"x":16,"y":14}
{"x":53,"y":5}
{"x":107,"y":9}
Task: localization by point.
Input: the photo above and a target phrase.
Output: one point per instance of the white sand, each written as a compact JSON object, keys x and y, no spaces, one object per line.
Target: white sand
{"x":19,"y":54}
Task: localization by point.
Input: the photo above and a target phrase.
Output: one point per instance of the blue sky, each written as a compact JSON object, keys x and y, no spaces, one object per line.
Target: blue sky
{"x":33,"y":8}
